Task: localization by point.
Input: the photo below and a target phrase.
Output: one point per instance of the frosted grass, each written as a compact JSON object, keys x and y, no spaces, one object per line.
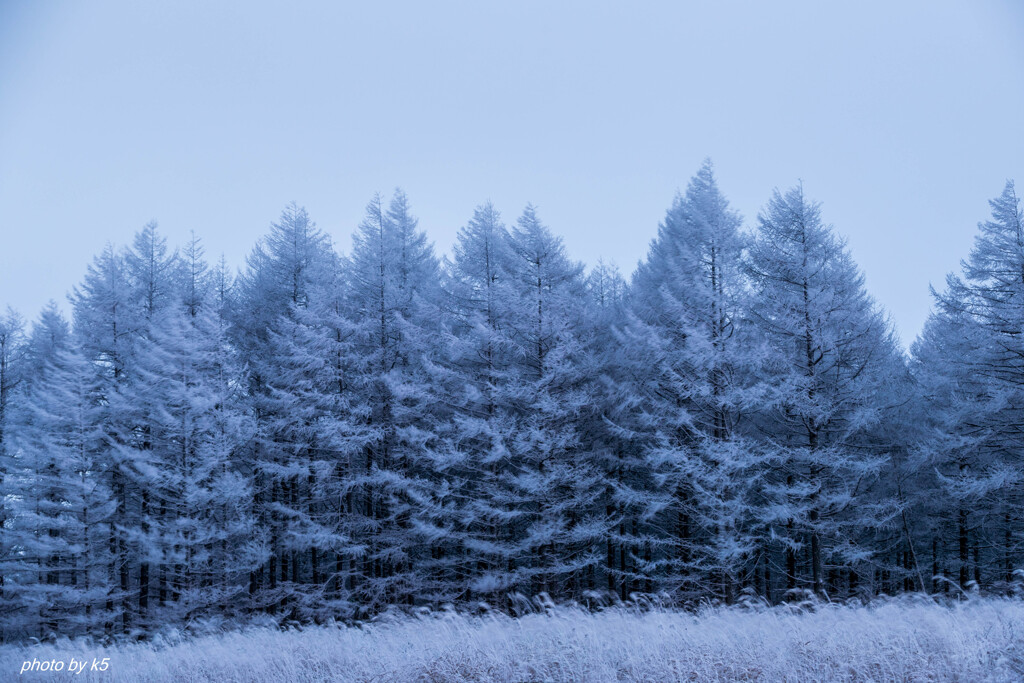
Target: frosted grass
{"x":898,"y":640}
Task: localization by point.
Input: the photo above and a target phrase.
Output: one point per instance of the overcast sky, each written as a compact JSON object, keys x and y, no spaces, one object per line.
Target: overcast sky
{"x":903,"y":118}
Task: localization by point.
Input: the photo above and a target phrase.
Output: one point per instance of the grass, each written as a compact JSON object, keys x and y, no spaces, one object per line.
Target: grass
{"x":909,"y":639}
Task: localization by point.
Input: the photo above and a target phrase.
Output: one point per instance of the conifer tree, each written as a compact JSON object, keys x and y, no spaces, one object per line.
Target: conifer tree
{"x":278,"y":283}
{"x":60,"y":581}
{"x":555,"y":482}
{"x":694,"y":356}
{"x":393,"y":289}
{"x":11,"y":343}
{"x":634,"y":498}
{"x":106,"y":324}
{"x":970,"y":363}
{"x":830,"y":357}
{"x":479,"y":359}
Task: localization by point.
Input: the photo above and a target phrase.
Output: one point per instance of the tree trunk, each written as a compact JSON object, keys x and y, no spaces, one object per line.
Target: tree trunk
{"x":962,"y":533}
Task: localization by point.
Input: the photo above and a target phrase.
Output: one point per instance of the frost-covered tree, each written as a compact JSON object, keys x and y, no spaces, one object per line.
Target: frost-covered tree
{"x":196,"y":284}
{"x":318,"y":415}
{"x":279,"y":283}
{"x":60,"y":527}
{"x":398,"y":478}
{"x":634,"y":494}
{"x":830,"y":357}
{"x":122,"y":300}
{"x":478,"y":355}
{"x":106,"y":324}
{"x":151,"y":269}
{"x":11,"y":348}
{"x":197,"y":526}
{"x":692,"y":355}
{"x":50,"y":334}
{"x":970,"y":365}
{"x":554,"y":483}
{"x":329,"y":437}
{"x":953,"y":401}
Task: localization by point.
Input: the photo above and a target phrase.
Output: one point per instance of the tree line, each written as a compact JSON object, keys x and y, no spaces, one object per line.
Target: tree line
{"x":325,"y":436}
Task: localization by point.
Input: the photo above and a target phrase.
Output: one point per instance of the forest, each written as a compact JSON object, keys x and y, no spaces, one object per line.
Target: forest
{"x":326,"y":436}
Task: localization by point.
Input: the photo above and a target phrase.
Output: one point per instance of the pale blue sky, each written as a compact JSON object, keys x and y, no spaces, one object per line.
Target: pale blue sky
{"x":903,"y":118}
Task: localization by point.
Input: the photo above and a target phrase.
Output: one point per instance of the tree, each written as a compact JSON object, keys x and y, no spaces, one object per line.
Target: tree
{"x":151,"y":271}
{"x":970,"y":364}
{"x":11,"y":349}
{"x":314,"y":411}
{"x":634,"y":497}
{"x":692,"y":356}
{"x":151,"y":275}
{"x":187,"y":458}
{"x":955,"y":401}
{"x":106,"y":325}
{"x":59,"y":531}
{"x":393,"y":290}
{"x":554,"y":484}
{"x":11,"y":346}
{"x":831,"y":352}
{"x":478,"y":359}
{"x":277,"y":286}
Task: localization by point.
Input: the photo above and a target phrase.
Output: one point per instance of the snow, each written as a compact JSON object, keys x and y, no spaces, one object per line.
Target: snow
{"x":906,"y":639}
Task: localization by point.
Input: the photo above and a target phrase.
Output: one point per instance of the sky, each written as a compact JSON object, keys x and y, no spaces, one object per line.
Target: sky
{"x":902,"y":118}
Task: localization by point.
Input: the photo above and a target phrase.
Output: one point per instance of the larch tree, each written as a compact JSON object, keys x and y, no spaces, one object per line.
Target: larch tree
{"x":634,"y":497}
{"x":829,"y":352}
{"x":320,"y":420}
{"x":331,"y":437}
{"x":150,"y":269}
{"x":277,"y":285}
{"x":11,"y":347}
{"x":393,"y":290}
{"x":692,"y":354}
{"x":479,"y":358}
{"x":64,"y":508}
{"x":106,"y":324}
{"x":970,"y":363}
{"x":555,"y":481}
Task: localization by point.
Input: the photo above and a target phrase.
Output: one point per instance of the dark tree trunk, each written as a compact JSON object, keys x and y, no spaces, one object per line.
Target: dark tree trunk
{"x":964,"y":559}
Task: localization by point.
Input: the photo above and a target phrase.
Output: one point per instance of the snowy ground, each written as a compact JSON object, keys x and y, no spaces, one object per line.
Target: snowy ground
{"x":905,"y":640}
